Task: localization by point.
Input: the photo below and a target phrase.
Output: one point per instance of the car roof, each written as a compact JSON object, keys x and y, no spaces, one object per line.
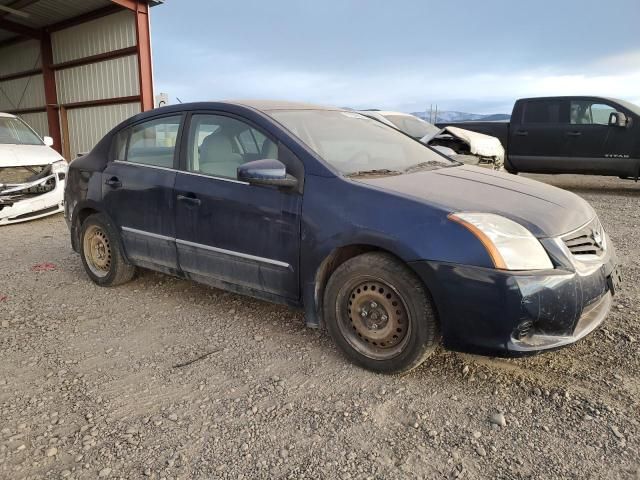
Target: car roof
{"x":268,"y":105}
{"x":388,"y":112}
{"x":574,"y":97}
{"x":264,"y":106}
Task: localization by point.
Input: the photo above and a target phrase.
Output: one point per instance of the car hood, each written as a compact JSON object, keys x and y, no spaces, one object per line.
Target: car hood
{"x":27,"y":155}
{"x":545,"y":210}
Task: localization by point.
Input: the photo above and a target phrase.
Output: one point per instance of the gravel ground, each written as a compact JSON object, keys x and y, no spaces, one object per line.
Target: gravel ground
{"x":162,"y":378}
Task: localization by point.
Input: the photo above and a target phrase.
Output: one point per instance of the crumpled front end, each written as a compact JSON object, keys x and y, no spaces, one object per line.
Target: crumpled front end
{"x":30,"y":192}
{"x":505,"y":313}
{"x":473,"y":148}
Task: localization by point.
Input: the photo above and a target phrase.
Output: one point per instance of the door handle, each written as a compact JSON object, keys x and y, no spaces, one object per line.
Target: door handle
{"x":190,"y":198}
{"x":574,"y":134}
{"x":522,"y":133}
{"x":114,"y":182}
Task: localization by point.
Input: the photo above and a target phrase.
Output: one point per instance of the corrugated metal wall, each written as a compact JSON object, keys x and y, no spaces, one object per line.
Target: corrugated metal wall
{"x":90,"y":124}
{"x":98,"y":36}
{"x":20,"y":57}
{"x":37,"y":121}
{"x":21,"y":93}
{"x":97,"y":81}
{"x":108,"y":79}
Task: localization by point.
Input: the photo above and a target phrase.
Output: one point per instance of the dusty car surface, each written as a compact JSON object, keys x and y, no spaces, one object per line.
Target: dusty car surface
{"x":389,"y":244}
{"x":32,"y":174}
{"x":471,"y":148}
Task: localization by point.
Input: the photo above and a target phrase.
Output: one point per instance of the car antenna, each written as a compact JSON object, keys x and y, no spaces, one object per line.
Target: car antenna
{"x":178,"y":98}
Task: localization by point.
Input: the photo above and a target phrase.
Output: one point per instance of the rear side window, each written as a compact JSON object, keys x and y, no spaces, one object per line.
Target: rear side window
{"x":543,"y":111}
{"x":153,"y":142}
{"x":119,"y":146}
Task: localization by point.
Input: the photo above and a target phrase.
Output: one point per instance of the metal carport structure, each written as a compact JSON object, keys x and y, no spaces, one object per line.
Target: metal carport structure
{"x":75,"y":68}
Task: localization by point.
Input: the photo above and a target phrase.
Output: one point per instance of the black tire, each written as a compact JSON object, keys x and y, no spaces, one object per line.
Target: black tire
{"x":378,"y":285}
{"x":101,"y":252}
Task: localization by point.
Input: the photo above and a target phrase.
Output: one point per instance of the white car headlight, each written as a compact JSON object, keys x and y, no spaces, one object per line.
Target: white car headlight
{"x":60,"y":166}
{"x":510,"y":245}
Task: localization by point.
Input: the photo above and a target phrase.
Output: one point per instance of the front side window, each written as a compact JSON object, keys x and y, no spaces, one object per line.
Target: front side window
{"x":218,"y":145}
{"x":14,"y":131}
{"x":154,"y":142}
{"x":585,"y":112}
{"x":355,"y":144}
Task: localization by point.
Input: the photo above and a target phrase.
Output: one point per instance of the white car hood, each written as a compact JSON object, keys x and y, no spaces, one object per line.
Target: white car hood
{"x":479,"y":143}
{"x":27,"y":155}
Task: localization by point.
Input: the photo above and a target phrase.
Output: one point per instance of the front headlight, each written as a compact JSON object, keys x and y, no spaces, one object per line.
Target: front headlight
{"x":509,"y":244}
{"x":60,"y":166}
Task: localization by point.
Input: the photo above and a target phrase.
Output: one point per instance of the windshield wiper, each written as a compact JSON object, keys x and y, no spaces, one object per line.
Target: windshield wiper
{"x":433,"y":164}
{"x":377,"y":171}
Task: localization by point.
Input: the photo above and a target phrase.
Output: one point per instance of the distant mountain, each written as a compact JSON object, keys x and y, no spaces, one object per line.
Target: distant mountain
{"x":452,"y":116}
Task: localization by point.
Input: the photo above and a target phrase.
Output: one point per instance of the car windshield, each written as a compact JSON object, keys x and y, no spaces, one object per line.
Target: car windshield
{"x":15,"y":131}
{"x":413,"y":126}
{"x":353,"y":143}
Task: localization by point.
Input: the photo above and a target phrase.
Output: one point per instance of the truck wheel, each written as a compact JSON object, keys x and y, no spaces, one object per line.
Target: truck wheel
{"x":101,"y":252}
{"x":379,"y":314}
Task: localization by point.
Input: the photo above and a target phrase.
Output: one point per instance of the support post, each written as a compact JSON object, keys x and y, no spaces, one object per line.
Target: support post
{"x":50,"y":91}
{"x":145,"y":69}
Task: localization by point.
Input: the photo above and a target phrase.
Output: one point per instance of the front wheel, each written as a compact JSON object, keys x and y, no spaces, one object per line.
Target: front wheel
{"x":101,"y":252}
{"x":379,"y":314}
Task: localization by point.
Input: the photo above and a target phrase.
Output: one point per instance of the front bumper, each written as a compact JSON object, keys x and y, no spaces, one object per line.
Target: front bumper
{"x":501,"y":313}
{"x":35,"y":206}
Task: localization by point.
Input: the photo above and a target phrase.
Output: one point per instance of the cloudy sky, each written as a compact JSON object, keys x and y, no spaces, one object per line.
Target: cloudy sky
{"x":470,"y":55}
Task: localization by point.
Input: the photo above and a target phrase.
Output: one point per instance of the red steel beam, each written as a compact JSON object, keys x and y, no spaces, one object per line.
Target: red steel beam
{"x":145,"y":70}
{"x":100,"y":57}
{"x":50,"y":91}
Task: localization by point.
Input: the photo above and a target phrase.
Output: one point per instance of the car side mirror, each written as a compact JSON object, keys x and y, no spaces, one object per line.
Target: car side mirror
{"x":618,"y":119}
{"x":48,"y":141}
{"x":266,"y":172}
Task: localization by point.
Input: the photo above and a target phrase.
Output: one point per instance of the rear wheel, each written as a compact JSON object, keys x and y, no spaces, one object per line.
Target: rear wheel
{"x":101,"y":252}
{"x":379,"y":313}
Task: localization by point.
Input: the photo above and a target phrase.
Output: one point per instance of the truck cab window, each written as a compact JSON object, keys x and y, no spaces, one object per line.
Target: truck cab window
{"x":542,"y":111}
{"x":585,"y":112}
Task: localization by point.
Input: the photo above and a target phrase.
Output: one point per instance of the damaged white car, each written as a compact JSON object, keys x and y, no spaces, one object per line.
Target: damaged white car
{"x":462,"y":145}
{"x":32,"y":174}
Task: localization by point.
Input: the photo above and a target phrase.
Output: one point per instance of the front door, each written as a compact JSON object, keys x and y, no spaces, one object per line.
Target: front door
{"x":138,"y":191}
{"x":230,"y":233}
{"x":597,"y":147}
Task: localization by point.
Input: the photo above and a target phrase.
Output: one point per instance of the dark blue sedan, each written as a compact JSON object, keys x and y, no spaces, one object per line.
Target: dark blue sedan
{"x":389,"y":244}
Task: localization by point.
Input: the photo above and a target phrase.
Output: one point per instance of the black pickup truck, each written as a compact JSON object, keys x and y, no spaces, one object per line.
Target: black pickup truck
{"x":588,"y":135}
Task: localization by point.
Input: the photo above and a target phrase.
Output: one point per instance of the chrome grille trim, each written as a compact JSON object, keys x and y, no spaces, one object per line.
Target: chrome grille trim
{"x":587,"y":241}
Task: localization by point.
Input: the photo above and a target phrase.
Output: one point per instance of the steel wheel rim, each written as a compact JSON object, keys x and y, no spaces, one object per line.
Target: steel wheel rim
{"x":374,"y":318}
{"x":97,"y":251}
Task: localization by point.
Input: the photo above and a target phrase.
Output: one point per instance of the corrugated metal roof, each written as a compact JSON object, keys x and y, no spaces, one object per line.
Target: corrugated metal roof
{"x":42,"y":13}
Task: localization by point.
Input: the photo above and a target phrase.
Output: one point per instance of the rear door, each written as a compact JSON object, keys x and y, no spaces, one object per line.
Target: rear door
{"x":539,"y":140}
{"x":229,"y":232}
{"x":597,"y":147}
{"x":138,"y":190}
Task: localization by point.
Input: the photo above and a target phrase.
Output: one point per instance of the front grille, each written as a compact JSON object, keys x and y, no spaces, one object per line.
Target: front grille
{"x":588,"y":240}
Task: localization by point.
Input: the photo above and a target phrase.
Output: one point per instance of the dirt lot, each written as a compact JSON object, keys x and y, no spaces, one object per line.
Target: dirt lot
{"x":96,"y":382}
